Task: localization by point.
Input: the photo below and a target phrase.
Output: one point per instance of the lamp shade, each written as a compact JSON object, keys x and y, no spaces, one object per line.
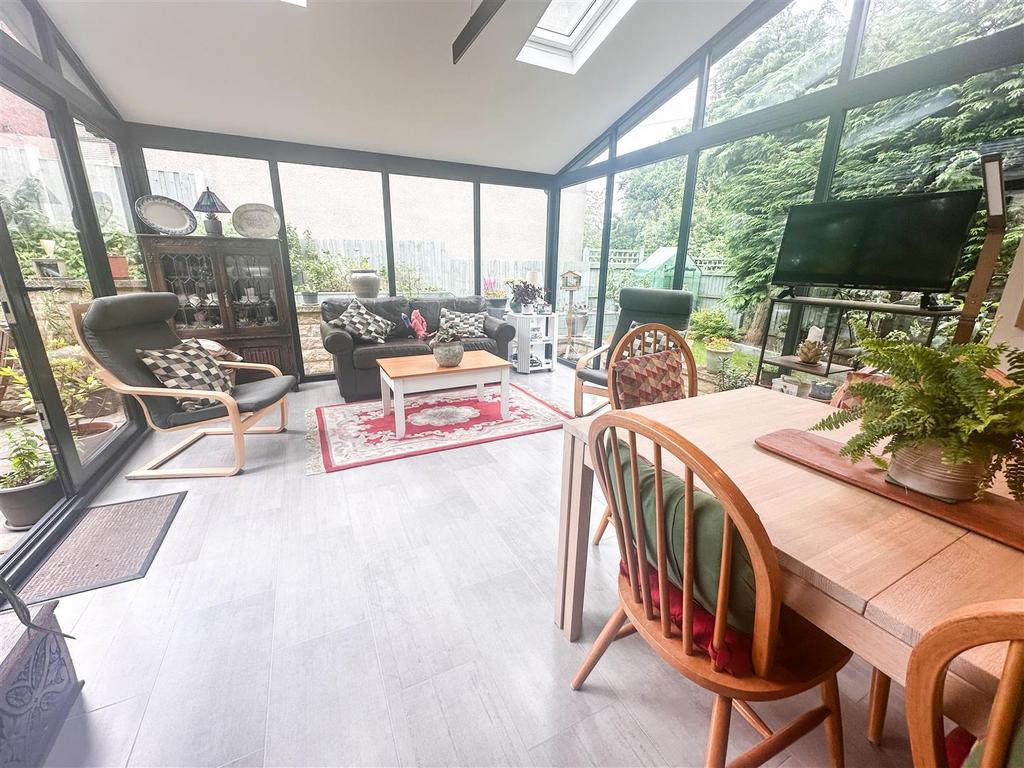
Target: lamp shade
{"x":208,"y":202}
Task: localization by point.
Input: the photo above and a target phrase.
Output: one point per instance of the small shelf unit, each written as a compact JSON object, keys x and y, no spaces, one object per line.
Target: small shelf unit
{"x":533,"y":348}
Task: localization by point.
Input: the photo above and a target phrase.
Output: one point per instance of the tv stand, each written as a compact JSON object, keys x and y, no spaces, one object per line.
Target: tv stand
{"x":835,"y":312}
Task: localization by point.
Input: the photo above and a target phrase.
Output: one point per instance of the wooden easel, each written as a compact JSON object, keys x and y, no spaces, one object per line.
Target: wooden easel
{"x":995,"y":231}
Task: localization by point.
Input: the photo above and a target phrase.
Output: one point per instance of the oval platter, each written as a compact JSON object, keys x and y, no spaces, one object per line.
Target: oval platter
{"x":164,"y":215}
{"x":256,"y":220}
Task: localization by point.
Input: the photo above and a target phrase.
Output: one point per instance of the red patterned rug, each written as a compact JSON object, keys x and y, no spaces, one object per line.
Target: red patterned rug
{"x":355,"y":434}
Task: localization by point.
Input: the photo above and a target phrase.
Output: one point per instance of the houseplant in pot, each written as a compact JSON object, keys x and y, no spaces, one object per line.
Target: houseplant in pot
{"x":30,"y":487}
{"x":524,"y":295}
{"x":717,"y":350}
{"x":947,"y":418}
{"x":496,"y":296}
{"x":447,"y":347}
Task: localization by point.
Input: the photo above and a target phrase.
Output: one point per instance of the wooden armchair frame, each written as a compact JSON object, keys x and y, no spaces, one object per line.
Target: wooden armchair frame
{"x":648,"y":335}
{"x":992,"y":622}
{"x":813,"y":659}
{"x":240,"y":424}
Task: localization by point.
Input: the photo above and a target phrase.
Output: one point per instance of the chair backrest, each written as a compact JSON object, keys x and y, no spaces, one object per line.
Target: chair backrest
{"x":993,"y":622}
{"x":648,"y":339}
{"x":652,"y":305}
{"x":610,"y":430}
{"x":111,"y":329}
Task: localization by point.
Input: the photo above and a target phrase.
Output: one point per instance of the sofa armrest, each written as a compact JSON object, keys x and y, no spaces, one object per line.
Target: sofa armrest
{"x":336,"y":340}
{"x":499,"y":330}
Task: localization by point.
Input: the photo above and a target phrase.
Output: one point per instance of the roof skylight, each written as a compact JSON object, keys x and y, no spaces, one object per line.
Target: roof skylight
{"x":570,"y":31}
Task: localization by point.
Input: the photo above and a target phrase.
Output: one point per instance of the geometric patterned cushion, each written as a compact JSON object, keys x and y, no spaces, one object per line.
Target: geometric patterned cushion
{"x":363,"y":324}
{"x":187,"y":366}
{"x":649,"y":379}
{"x":466,"y":324}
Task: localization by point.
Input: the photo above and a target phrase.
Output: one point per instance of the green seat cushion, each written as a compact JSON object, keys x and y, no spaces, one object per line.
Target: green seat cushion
{"x":708,"y":522}
{"x":1015,"y":759}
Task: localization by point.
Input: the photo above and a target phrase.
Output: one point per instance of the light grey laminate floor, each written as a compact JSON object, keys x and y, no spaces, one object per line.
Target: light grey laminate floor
{"x":395,"y":614}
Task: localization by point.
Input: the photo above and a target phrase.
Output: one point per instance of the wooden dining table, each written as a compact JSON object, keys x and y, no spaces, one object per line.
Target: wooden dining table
{"x":871,"y":572}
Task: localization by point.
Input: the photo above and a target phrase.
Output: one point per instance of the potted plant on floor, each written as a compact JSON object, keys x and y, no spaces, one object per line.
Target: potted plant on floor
{"x":524,"y":296}
{"x":447,"y":347}
{"x":717,"y":350}
{"x":30,"y":487}
{"x":948,"y":418}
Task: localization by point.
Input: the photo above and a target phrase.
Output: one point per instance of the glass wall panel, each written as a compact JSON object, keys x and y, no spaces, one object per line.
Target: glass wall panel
{"x":743,"y":194}
{"x":932,"y":141}
{"x":335,"y":223}
{"x":513,"y":233}
{"x":432,"y":227}
{"x":900,"y":30}
{"x":580,"y":228}
{"x":798,"y":51}
{"x":16,"y":21}
{"x":673,"y":118}
{"x":646,"y":207}
{"x":184,"y":175}
{"x":113,"y":209}
{"x":37,"y":208}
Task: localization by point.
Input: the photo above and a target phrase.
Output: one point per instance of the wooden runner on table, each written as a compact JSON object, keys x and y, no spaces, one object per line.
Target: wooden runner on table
{"x":992,"y":516}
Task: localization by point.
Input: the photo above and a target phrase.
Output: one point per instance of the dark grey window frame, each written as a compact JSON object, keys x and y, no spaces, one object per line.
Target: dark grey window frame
{"x":949,"y":65}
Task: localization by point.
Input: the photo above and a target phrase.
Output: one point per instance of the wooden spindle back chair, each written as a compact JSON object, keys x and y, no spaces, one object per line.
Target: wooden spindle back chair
{"x":992,"y":622}
{"x":811,"y":658}
{"x":647,"y":339}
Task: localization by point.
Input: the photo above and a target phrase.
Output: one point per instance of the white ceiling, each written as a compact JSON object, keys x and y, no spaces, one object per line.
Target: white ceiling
{"x":376,"y":74}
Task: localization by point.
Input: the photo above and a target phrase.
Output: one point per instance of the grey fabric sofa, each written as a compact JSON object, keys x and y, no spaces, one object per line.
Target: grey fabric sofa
{"x":355,"y":363}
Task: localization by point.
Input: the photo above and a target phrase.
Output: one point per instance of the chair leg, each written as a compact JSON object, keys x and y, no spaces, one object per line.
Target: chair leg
{"x":878,"y":703}
{"x":606,"y":638}
{"x":605,"y":519}
{"x":833,"y":723}
{"x":577,"y":399}
{"x":718,"y":735}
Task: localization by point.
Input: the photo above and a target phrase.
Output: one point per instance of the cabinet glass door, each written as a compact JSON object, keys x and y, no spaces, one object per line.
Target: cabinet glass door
{"x":250,"y":292}
{"x":192,"y":277}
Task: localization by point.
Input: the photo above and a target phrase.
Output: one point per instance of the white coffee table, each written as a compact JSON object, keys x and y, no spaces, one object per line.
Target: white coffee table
{"x":401,"y":376}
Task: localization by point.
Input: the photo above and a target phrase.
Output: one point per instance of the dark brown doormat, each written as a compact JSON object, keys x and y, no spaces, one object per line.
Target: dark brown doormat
{"x":108,"y":545}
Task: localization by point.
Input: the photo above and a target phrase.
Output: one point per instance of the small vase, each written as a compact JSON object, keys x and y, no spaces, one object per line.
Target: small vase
{"x":449,"y":355}
{"x":365,"y":283}
{"x":920,"y":468}
{"x":515,"y":306}
{"x":527,"y":309}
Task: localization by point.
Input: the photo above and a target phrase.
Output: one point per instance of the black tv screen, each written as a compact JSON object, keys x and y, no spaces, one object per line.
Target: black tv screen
{"x":901,"y":243}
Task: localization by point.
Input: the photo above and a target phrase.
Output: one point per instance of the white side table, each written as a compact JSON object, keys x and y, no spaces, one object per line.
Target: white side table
{"x":536,"y":336}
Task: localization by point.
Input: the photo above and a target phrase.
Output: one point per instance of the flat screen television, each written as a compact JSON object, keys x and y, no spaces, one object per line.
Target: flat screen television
{"x":900,"y":243}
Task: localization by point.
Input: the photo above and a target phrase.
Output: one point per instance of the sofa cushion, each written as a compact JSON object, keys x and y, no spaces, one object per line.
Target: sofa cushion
{"x":467,"y":325}
{"x":480,"y":344}
{"x":391,"y":308}
{"x":431,"y":308}
{"x":367,"y":355}
{"x":364,"y":324}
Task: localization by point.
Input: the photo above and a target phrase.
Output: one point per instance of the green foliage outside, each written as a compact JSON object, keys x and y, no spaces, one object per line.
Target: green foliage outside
{"x":946,"y":396}
{"x":29,"y":227}
{"x":732,"y":376}
{"x":917,"y":143}
{"x":706,"y":323}
{"x":29,"y":457}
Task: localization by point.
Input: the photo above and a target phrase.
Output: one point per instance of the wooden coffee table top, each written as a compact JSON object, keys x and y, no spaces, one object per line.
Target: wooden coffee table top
{"x":412,"y":366}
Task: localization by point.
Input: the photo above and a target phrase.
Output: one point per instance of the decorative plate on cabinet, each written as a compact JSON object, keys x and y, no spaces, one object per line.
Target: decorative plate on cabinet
{"x":256,"y":220}
{"x":164,"y":215}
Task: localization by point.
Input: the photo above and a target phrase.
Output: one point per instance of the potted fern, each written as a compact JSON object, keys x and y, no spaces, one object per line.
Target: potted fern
{"x":948,"y":419}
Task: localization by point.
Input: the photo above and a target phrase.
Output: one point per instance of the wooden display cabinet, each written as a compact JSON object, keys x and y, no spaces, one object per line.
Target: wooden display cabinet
{"x":231,"y":289}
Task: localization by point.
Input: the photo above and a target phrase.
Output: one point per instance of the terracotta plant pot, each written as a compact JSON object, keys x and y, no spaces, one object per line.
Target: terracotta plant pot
{"x":92,"y":435}
{"x":119,"y":267}
{"x":920,"y":468}
{"x":449,"y":355}
{"x":22,"y":507}
{"x":365,"y":283}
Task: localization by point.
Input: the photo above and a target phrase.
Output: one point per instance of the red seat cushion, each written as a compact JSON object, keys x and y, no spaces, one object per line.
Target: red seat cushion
{"x":734,"y":655}
{"x":958,"y":745}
